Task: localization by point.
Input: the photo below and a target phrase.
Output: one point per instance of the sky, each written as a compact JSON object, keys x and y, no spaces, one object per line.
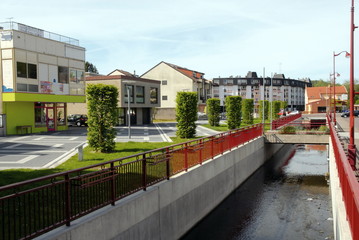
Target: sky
{"x":219,"y":38}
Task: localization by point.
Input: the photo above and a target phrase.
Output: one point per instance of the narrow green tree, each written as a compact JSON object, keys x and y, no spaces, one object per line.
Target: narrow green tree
{"x":283,"y":105}
{"x":213,"y":111}
{"x":234,"y":111}
{"x":276,"y":109}
{"x":102,"y":116}
{"x":266,"y":107}
{"x":247,"y":111}
{"x":186,"y":114}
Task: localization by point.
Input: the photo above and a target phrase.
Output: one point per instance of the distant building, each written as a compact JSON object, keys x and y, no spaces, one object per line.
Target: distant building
{"x":319,"y":99}
{"x":176,"y":79}
{"x":251,"y":87}
{"x":41,"y":72}
{"x":144,"y":96}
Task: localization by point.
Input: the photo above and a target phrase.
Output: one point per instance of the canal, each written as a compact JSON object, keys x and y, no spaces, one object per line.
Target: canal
{"x":287,"y":198}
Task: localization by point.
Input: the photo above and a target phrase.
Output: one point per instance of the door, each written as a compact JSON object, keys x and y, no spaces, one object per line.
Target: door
{"x":50,"y":121}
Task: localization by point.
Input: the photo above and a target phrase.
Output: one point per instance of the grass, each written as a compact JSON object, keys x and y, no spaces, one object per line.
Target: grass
{"x":224,"y":127}
{"x":90,"y":158}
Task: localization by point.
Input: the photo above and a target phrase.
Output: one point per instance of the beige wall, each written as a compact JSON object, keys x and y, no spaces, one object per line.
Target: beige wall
{"x":176,"y":82}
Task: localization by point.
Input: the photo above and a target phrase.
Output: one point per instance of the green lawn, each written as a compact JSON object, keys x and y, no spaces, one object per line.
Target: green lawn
{"x":90,"y":158}
{"x":224,"y":127}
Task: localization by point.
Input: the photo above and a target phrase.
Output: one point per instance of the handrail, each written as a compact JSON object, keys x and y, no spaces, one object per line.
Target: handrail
{"x":348,"y":182}
{"x":284,"y":120}
{"x":31,"y":208}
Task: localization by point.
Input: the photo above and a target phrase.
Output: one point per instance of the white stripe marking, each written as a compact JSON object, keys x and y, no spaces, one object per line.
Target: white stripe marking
{"x":13,"y":146}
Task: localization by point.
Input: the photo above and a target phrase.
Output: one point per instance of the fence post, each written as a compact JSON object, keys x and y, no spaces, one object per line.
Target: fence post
{"x":200,"y":151}
{"x":144,"y":172}
{"x":113,"y":195}
{"x":67,"y":199}
{"x":212,"y":150}
{"x":222,"y":140}
{"x":167,"y":163}
{"x":186,"y":157}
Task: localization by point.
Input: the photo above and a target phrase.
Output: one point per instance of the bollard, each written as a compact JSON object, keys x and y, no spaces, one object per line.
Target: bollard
{"x":80,"y":150}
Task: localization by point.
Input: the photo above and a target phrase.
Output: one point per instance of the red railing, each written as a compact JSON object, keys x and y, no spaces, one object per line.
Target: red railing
{"x":348,"y":182}
{"x":31,"y":208}
{"x":284,"y":120}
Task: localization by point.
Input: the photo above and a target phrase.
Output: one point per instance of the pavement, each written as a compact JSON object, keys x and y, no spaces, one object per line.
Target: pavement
{"x":47,"y":150}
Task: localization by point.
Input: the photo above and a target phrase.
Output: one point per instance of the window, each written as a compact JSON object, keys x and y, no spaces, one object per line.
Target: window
{"x":76,"y":76}
{"x":130,"y":89}
{"x":164,"y":98}
{"x":40,"y":115}
{"x":21,"y":70}
{"x":32,"y":71}
{"x":33,"y":88}
{"x":153,"y":95}
{"x":63,"y":75}
{"x":21,"y":87}
{"x":60,"y":114}
{"x":164,"y":82}
{"x":140,"y":94}
{"x":26,"y":70}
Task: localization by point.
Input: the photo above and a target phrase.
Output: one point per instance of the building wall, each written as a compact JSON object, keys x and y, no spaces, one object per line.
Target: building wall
{"x":176,"y":82}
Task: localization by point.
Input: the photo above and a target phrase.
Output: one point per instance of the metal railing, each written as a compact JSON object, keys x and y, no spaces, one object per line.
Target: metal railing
{"x":31,"y":208}
{"x":348,"y":182}
{"x":284,"y":120}
{"x":38,"y":32}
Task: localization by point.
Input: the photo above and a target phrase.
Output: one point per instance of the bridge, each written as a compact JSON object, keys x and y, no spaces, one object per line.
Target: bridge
{"x":62,"y":199}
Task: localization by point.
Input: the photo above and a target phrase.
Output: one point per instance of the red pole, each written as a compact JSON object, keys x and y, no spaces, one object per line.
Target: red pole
{"x":335,"y":106}
{"x":351,"y":146}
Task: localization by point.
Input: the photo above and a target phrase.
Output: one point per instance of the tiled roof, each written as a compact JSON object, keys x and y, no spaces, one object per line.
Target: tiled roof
{"x":123,"y":72}
{"x":316,"y":92}
{"x":194,"y":75}
{"x":120,"y":77}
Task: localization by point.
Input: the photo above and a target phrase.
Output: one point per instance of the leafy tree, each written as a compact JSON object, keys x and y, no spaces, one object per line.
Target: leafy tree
{"x":213,"y":108}
{"x":234,"y":111}
{"x":320,"y":83}
{"x":283,"y":105}
{"x":356,"y":89}
{"x":89,"y":67}
{"x":186,"y":114}
{"x":102,"y":116}
{"x":266,"y":108}
{"x":276,"y":109}
{"x":247,"y":111}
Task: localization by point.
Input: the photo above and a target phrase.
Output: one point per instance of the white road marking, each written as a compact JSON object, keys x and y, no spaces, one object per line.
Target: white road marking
{"x":146,"y":139}
{"x":23,"y":160}
{"x":163,"y":135}
{"x":13,"y":146}
{"x":17,"y":139}
{"x":58,"y":145}
{"x":40,"y":138}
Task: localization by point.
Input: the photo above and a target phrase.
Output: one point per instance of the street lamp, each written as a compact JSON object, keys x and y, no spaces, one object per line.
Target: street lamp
{"x":351,"y":146}
{"x":128,"y":106}
{"x":335,"y":73}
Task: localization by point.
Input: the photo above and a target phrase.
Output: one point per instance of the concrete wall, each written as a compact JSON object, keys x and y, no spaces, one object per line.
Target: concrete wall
{"x":341,"y":225}
{"x":171,"y":208}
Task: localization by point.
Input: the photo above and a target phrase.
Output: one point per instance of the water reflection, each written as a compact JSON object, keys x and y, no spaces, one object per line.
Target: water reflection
{"x":287,"y":198}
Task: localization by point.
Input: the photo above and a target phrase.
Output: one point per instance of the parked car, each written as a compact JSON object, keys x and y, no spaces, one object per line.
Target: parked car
{"x":346,"y":114}
{"x":77,"y":120}
{"x":294,"y":112}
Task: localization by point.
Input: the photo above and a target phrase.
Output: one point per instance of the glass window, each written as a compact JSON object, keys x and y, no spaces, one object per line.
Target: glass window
{"x":164,"y":97}
{"x":60,"y":114}
{"x":153,"y":95}
{"x":33,"y":88}
{"x":21,"y":70}
{"x":63,"y":75}
{"x":40,"y":115}
{"x":22,"y":87}
{"x":140,"y":94}
{"x":130,"y":89}
{"x":73,"y":75}
{"x":80,"y":76}
{"x":164,"y":82}
{"x":32,"y":71}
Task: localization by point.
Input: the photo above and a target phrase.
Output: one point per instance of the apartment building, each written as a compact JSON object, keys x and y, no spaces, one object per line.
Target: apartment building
{"x":144,"y":96}
{"x":176,"y":79}
{"x":274,"y":88}
{"x":40,"y":73}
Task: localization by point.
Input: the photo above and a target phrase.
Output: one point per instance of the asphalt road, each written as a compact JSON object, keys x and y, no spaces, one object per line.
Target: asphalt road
{"x":46,"y":150}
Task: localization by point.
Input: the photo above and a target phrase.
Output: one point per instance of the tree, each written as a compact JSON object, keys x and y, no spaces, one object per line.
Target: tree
{"x":186,"y":114}
{"x":234,"y":111}
{"x":213,"y":108}
{"x":247,"y":111}
{"x":89,"y":67}
{"x":320,"y":83}
{"x":102,"y":116}
{"x":275,"y":109}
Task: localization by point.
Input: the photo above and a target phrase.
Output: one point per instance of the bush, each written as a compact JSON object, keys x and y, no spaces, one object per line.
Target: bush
{"x":324,"y":128}
{"x":276,"y":109}
{"x":288,"y":129}
{"x":102,"y":116}
{"x":266,"y":107}
{"x":234,"y":111}
{"x":213,"y":111}
{"x":186,"y":114}
{"x":247,"y":111}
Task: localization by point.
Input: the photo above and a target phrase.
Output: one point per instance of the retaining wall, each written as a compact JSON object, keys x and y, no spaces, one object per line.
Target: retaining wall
{"x":171,"y":208}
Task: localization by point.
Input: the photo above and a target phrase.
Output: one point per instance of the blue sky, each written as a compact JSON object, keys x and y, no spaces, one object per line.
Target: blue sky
{"x":219,"y":38}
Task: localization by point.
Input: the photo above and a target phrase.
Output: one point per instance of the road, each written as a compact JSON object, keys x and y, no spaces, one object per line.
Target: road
{"x":46,"y":150}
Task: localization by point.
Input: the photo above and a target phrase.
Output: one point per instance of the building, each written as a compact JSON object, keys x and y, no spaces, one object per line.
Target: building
{"x":320,"y":99}
{"x":41,"y":72}
{"x":176,"y":79}
{"x":277,"y":88}
{"x":144,"y":96}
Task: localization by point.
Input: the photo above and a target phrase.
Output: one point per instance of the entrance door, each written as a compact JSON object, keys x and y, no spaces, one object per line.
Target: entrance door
{"x":50,"y":121}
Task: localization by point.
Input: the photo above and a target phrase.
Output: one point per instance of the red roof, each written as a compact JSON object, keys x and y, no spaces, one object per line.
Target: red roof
{"x":317,"y":92}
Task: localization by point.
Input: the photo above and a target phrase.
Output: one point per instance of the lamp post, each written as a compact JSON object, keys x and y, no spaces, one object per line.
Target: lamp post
{"x":351,"y":146}
{"x":128,"y":106}
{"x":334,"y":73}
